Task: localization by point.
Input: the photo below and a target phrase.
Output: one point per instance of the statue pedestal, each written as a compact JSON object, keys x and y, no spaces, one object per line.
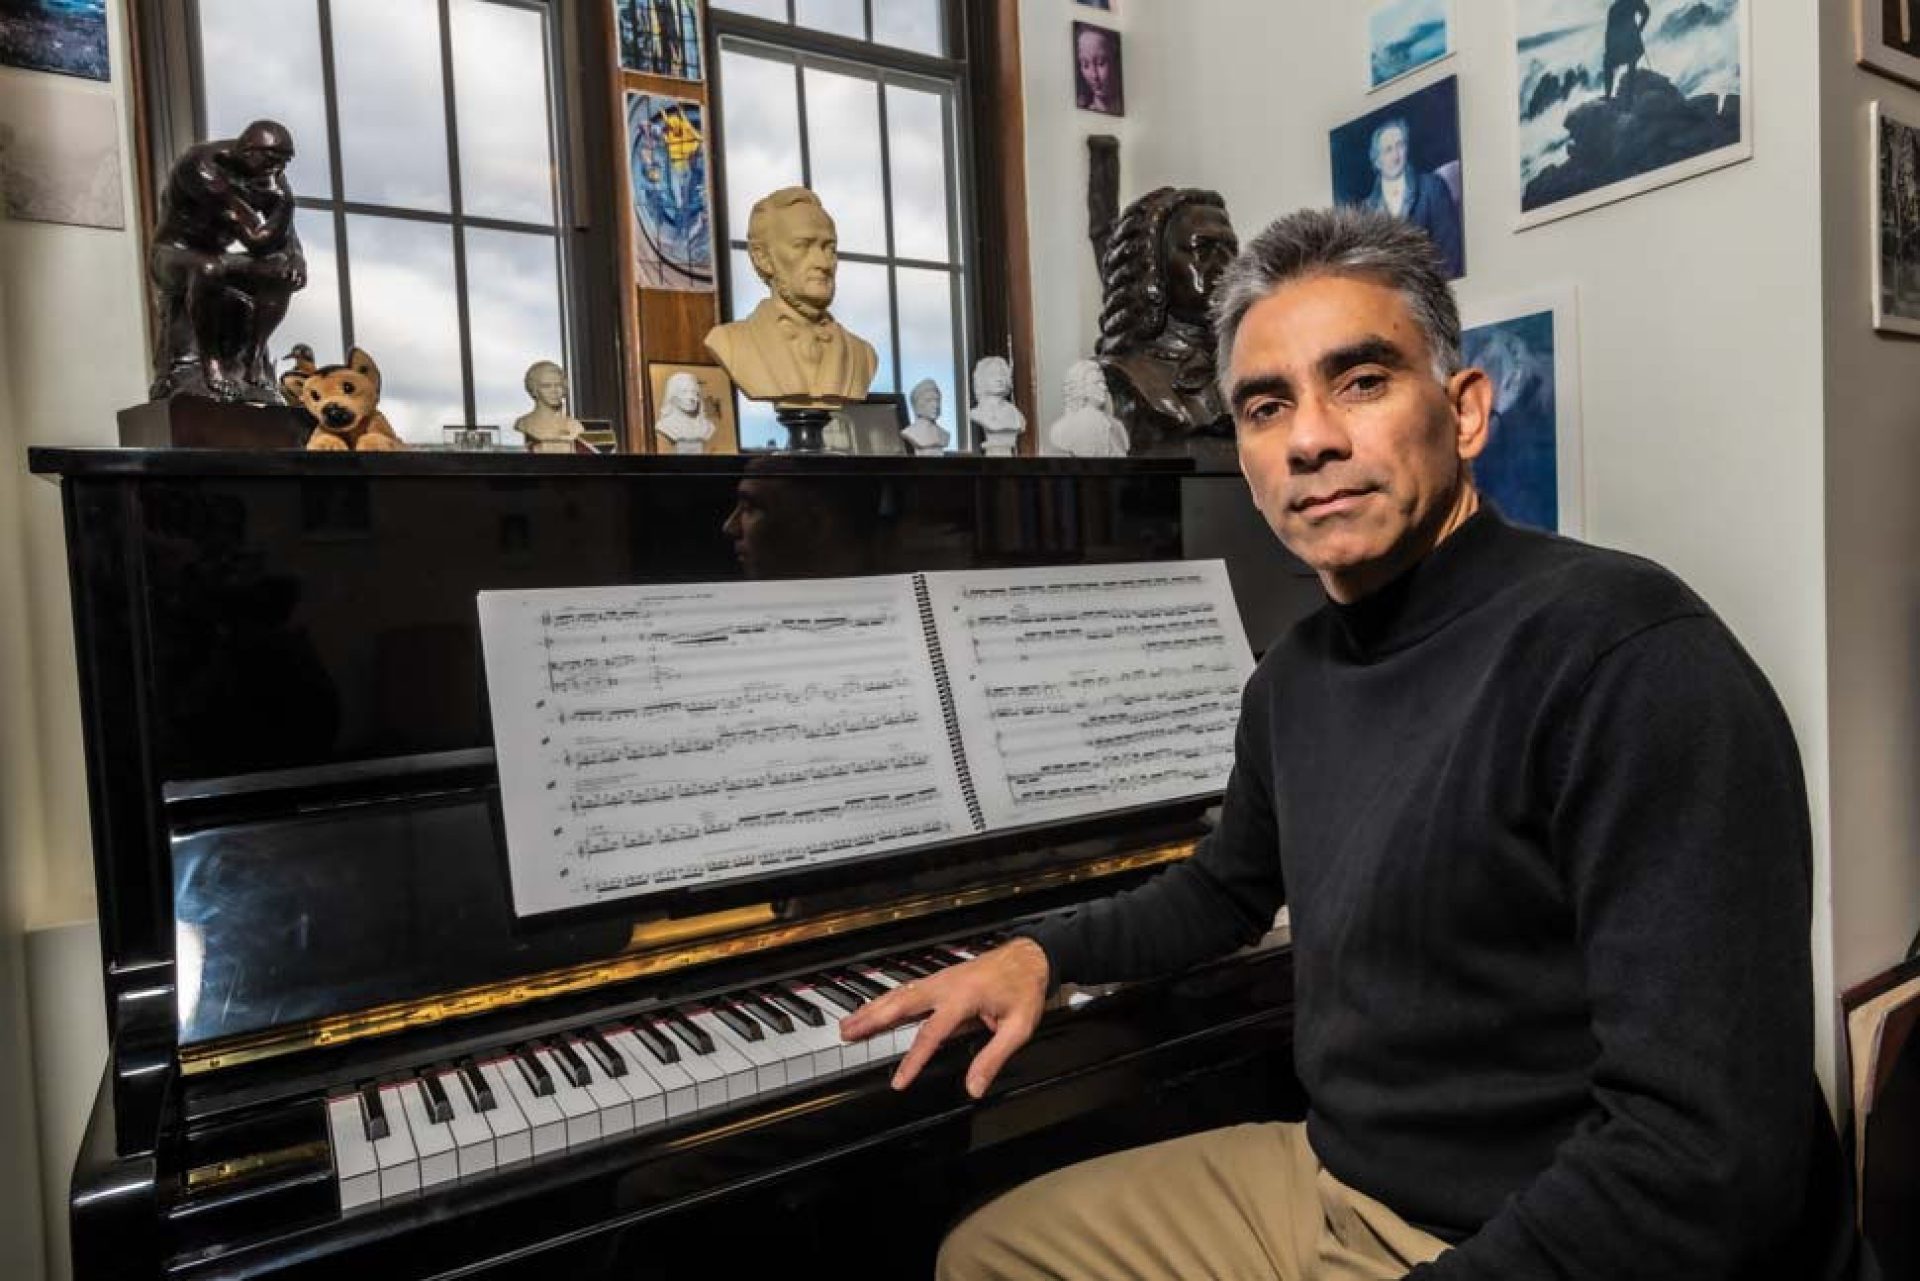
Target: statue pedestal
{"x":805,"y":428}
{"x":196,"y":422}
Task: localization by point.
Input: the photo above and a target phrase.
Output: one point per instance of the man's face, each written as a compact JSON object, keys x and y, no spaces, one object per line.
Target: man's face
{"x":993,"y":381}
{"x":684,"y":395}
{"x":261,"y":162}
{"x":1390,"y":153}
{"x":1200,"y":246}
{"x":926,"y":402}
{"x":1355,"y":452}
{"x":550,"y":388}
{"x":799,"y":255}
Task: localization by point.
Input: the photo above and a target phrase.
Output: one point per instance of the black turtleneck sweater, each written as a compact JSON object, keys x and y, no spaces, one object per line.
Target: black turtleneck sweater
{"x":1542,"y":826}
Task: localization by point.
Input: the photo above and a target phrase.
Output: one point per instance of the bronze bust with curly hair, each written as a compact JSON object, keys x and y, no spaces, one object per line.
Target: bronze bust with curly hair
{"x":1164,"y":258}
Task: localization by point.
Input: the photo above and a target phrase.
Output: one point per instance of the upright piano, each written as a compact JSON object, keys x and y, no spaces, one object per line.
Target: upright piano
{"x":336,"y":1051}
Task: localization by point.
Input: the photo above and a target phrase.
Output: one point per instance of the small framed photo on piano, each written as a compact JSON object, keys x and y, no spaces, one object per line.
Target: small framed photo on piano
{"x":871,"y":426}
{"x":473,"y":440}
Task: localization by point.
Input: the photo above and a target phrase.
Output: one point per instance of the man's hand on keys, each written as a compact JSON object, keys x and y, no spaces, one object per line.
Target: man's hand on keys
{"x":1005,"y":989}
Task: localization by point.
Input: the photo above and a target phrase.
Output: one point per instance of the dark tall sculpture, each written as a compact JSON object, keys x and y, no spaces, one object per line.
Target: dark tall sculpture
{"x":1164,"y":258}
{"x":226,"y":263}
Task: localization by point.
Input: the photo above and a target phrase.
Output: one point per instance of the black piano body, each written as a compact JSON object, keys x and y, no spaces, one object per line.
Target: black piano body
{"x":302,"y":887}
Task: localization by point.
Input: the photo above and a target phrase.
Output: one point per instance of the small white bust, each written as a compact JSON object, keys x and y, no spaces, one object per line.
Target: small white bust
{"x":925,"y":435}
{"x":549,"y":429}
{"x":683,"y":415}
{"x":994,"y":413}
{"x":1088,"y":429}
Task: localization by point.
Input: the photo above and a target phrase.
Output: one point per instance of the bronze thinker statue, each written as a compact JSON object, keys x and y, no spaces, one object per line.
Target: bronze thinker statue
{"x":1163,"y":260}
{"x":226,"y":264}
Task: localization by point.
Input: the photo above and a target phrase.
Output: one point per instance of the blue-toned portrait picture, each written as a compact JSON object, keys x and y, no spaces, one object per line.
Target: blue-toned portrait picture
{"x":1520,"y":470}
{"x":1405,"y":158}
{"x":65,"y":36}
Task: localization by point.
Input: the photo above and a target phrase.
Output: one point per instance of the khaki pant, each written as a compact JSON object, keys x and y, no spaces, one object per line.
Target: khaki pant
{"x":1246,"y":1202}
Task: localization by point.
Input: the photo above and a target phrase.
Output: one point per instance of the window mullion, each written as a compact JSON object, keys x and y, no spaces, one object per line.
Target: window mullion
{"x":458,"y":207}
{"x":343,"y":262}
{"x":886,"y":209}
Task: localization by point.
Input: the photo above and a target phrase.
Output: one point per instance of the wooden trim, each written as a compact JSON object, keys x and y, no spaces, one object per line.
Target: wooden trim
{"x":1002,"y":257}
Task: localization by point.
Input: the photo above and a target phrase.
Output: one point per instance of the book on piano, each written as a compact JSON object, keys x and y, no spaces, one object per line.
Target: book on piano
{"x":659,"y":736}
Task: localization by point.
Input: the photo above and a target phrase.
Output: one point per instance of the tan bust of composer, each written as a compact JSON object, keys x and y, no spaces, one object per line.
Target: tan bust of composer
{"x":790,"y":347}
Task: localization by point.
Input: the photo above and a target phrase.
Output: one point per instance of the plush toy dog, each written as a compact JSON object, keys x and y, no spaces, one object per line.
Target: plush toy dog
{"x":342,"y":400}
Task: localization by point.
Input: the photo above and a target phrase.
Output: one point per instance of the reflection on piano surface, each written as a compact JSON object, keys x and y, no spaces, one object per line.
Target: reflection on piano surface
{"x":335,"y":1049}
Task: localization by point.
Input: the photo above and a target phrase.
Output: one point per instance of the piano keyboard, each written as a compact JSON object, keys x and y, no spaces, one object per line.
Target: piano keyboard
{"x":543,"y":1098}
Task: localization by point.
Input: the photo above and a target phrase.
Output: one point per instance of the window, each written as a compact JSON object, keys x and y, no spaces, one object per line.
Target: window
{"x":426,"y":180}
{"x":858,"y":100}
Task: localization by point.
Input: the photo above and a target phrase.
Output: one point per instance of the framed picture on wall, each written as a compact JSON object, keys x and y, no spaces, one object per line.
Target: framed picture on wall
{"x":1529,"y":345}
{"x":1097,"y":82}
{"x":1896,"y":221}
{"x":1889,"y":38}
{"x":1619,"y":97}
{"x":660,"y":38}
{"x":1405,"y":36}
{"x":1405,"y":158}
{"x":68,"y":37}
{"x":667,"y":167}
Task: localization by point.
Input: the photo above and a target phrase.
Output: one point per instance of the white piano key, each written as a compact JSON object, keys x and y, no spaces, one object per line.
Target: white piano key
{"x":355,"y":1168}
{"x":796,"y":1045}
{"x":646,"y":1094}
{"x":398,"y":1160}
{"x":830,"y":1053}
{"x":472,"y":1137}
{"x":432,"y":1140}
{"x":769,"y":1073}
{"x":742,"y":1077}
{"x":902,"y":1036}
{"x":512,"y":1132}
{"x":709,"y":1076}
{"x":544,"y":1118}
{"x":579,"y":1108}
{"x":615,"y":1104}
{"x":681,"y":1091}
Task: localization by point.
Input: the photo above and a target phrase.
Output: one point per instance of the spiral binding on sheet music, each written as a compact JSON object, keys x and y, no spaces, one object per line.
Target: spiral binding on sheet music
{"x":947,"y":710}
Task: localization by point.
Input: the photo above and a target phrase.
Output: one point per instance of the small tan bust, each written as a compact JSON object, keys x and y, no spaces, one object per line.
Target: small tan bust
{"x":791,"y":348}
{"x":548,"y":427}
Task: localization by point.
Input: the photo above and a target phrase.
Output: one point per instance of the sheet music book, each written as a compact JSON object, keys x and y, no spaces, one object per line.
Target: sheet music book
{"x":668,"y":735}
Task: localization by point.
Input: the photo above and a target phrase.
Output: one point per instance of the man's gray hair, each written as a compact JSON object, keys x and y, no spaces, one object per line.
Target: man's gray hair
{"x":1365,"y":243}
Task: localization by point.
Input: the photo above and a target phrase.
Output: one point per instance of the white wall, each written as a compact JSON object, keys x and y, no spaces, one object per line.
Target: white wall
{"x":72,"y":352}
{"x":1701,"y":371}
{"x":1873,"y":539}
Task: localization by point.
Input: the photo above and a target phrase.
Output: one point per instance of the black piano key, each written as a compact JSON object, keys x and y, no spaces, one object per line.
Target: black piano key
{"x":915,"y":967}
{"x":572,"y":1066}
{"x":538,"y":1079}
{"x":861,"y":984}
{"x":479,"y":1090}
{"x":439,"y":1106}
{"x":795,"y":1003}
{"x":846,"y":998}
{"x":937,"y":958}
{"x":766,"y":1011}
{"x":594,"y":1042}
{"x":953,"y":957}
{"x":898,"y":975}
{"x":743,"y":1026}
{"x":373,"y":1115}
{"x":694,"y":1038}
{"x":657,"y":1044}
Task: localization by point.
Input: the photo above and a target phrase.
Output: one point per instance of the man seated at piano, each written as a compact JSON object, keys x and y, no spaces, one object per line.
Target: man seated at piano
{"x":1542,"y":827}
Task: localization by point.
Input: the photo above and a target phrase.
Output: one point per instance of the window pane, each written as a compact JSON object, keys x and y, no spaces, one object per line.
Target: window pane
{"x":918,"y":155}
{"x":842,"y":17}
{"x":910,"y":24}
{"x":927,"y":345}
{"x":314,"y":316}
{"x":771,"y":10}
{"x":500,"y":95}
{"x":406,"y":317}
{"x":513,"y":306}
{"x":860,"y":303}
{"x":760,"y":106}
{"x":843,"y":146}
{"x":248,"y":79}
{"x":393,"y":115}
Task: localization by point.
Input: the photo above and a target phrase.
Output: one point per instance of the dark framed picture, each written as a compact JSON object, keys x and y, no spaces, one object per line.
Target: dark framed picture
{"x":872,"y":426}
{"x":1896,"y":222}
{"x":1097,"y":81}
{"x":1405,"y":158}
{"x":660,"y":38}
{"x":1530,"y":349}
{"x":64,"y":36}
{"x":1889,"y":38}
{"x":1104,"y":6}
{"x":1618,"y":97}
